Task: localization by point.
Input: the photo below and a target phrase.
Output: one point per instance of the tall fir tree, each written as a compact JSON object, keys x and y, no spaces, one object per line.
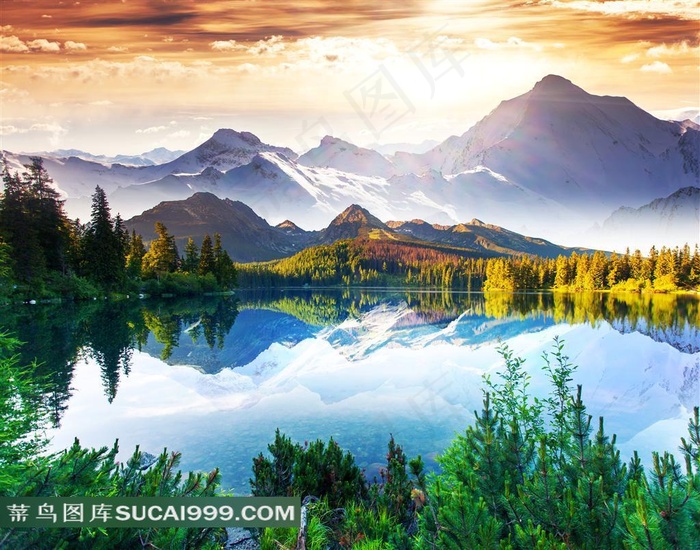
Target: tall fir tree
{"x":136,"y":250}
{"x":33,"y":223}
{"x":103,"y":244}
{"x":206,"y":256}
{"x":190,"y":263}
{"x":162,"y":256}
{"x":224,"y":269}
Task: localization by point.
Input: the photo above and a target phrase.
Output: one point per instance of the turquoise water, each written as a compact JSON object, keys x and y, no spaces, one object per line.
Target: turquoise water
{"x":213,"y":378}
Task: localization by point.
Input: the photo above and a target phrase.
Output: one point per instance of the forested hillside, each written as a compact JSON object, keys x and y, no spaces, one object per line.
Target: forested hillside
{"x":386,"y":262}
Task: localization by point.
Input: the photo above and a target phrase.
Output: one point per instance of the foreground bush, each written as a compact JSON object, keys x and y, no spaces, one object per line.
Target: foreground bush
{"x":529,"y":473}
{"x":25,"y":471}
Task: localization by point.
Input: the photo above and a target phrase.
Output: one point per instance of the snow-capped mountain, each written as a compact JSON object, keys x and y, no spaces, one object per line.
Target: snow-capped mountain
{"x":670,"y":221}
{"x":590,"y":153}
{"x":159,"y":155}
{"x":77,"y":177}
{"x":277,"y":188}
{"x":415,"y":148}
{"x":346,"y":157}
{"x":550,"y":162}
{"x":226,"y":149}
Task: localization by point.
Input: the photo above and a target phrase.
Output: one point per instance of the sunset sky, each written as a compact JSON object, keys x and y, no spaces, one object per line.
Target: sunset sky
{"x":127,"y":76}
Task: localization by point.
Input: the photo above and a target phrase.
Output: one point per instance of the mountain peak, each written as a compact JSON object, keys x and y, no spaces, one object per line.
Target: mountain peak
{"x":352,"y":222}
{"x":555,"y":85}
{"x":336,"y":153}
{"x":330,"y":140}
{"x":290,"y":228}
{"x":353,"y":213}
{"x":227,"y":135}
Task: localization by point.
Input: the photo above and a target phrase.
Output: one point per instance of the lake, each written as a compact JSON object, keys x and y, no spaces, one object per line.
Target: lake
{"x":214,"y":377}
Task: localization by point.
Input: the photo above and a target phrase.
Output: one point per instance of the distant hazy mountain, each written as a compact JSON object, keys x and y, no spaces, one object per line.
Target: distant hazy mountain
{"x":589,"y":153}
{"x":346,"y":157}
{"x":670,"y":221}
{"x":159,"y":155}
{"x":550,"y":162}
{"x":680,"y":115}
{"x":415,"y":148}
{"x":77,"y":177}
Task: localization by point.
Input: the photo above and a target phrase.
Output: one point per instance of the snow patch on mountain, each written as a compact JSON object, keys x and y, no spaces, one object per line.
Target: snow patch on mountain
{"x":155,"y":156}
{"x":580,"y":150}
{"x":335,"y":153}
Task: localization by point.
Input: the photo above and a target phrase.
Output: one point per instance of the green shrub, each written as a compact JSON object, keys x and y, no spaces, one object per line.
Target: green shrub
{"x":531,"y":474}
{"x":26,"y":472}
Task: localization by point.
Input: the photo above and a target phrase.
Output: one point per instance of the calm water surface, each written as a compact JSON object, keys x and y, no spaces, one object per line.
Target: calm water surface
{"x":213,"y":378}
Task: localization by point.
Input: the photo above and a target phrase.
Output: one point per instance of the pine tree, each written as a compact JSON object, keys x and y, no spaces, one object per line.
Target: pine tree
{"x":46,"y":209}
{"x":206,"y":256}
{"x":190,"y":263}
{"x":103,"y":246}
{"x":224,"y":269}
{"x":162,"y":256}
{"x":33,"y":223}
{"x":136,"y":250}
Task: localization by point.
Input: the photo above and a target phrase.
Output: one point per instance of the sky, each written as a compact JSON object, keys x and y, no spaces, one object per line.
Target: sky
{"x":125,"y":76}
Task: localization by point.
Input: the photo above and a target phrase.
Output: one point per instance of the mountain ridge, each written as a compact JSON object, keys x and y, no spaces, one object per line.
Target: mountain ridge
{"x":248,"y":237}
{"x":550,"y":162}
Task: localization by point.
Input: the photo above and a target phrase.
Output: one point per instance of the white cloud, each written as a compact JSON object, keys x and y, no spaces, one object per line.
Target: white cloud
{"x":6,"y":28}
{"x":318,"y":52}
{"x":512,"y":42}
{"x":12,"y":44}
{"x":43,"y":45}
{"x":656,"y":67}
{"x":629,"y":58}
{"x":151,"y":130}
{"x":101,"y":102}
{"x":679,"y":48}
{"x":9,"y":130}
{"x":687,"y":9}
{"x":271,"y":45}
{"x":485,"y":44}
{"x":11,"y":94}
{"x":249,"y":68}
{"x":142,"y":67}
{"x":179,"y":134}
{"x":47,"y":16}
{"x":226,"y":46}
{"x":50,"y":127}
{"x":117,"y":49}
{"x":71,"y":46}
